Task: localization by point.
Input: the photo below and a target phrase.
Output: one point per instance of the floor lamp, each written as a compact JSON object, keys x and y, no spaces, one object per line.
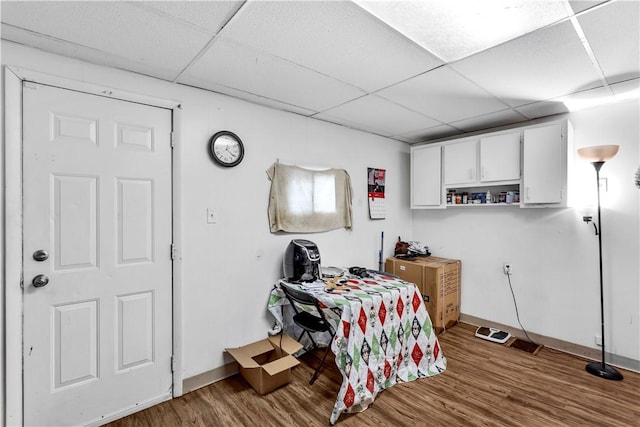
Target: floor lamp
{"x":598,"y":156}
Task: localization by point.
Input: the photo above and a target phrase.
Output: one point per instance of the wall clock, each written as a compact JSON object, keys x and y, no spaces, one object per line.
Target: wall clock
{"x":226,"y":148}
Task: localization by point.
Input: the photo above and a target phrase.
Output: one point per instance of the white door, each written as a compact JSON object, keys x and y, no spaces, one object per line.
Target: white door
{"x":500,"y":157}
{"x":97,"y":200}
{"x":460,"y":163}
{"x":426,"y":190}
{"x":542,"y":164}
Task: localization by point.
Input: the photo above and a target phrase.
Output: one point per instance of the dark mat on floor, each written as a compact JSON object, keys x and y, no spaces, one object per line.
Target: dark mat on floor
{"x":523,"y":345}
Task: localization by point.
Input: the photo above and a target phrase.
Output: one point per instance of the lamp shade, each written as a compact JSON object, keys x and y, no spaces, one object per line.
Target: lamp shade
{"x":598,"y":153}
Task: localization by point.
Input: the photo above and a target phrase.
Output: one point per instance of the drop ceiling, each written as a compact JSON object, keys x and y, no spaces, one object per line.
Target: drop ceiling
{"x":408,"y":70}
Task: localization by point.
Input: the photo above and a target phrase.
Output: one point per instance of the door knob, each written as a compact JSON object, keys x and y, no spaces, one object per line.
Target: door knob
{"x":40,"y":255}
{"x":40,"y":280}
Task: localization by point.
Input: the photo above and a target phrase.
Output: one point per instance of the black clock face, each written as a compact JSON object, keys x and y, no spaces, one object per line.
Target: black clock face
{"x":226,"y":148}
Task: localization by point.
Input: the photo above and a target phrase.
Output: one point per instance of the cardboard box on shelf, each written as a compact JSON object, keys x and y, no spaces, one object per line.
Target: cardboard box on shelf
{"x":438,"y":280}
{"x":266,"y":364}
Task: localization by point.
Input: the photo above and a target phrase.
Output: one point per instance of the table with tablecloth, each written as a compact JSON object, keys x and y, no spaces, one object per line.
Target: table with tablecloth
{"x":383,"y":334}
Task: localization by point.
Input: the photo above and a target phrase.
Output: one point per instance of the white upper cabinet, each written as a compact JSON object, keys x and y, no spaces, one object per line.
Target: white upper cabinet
{"x":500,"y":158}
{"x":460,"y":163}
{"x":426,"y":185}
{"x":525,"y":166}
{"x":544,"y":180}
{"x":482,"y":161}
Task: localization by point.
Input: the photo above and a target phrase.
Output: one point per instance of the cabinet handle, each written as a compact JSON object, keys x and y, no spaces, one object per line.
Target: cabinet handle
{"x":470,"y":173}
{"x":482,"y":172}
{"x":528,"y":193}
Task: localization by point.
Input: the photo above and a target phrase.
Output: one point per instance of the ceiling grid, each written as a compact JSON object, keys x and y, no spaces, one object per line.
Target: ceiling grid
{"x":409,"y":70}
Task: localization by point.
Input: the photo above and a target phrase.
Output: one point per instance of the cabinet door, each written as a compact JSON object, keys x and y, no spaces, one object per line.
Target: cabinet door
{"x":500,"y":158}
{"x":542,"y":165}
{"x":460,"y":163}
{"x":426,"y":189}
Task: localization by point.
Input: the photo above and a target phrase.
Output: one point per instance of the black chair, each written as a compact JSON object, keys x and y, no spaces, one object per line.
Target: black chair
{"x":308,"y":321}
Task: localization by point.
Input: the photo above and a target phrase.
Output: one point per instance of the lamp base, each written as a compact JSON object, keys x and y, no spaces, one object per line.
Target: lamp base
{"x":603,"y":371}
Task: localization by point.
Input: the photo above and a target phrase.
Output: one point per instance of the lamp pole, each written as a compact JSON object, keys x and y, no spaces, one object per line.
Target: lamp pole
{"x":601,"y":369}
{"x":597,"y":166}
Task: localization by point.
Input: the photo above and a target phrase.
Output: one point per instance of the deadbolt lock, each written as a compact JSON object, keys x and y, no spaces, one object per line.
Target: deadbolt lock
{"x":41,"y":255}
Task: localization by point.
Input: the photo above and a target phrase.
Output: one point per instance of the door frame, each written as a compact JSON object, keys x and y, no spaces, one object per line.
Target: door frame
{"x":13,"y":230}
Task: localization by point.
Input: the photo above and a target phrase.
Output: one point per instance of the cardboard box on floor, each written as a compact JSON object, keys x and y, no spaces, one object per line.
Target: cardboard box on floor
{"x":266,"y":364}
{"x":439,"y":282}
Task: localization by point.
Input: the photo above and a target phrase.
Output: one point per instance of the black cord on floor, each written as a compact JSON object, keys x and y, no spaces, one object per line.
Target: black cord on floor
{"x":517,"y":314}
{"x":518,"y":317}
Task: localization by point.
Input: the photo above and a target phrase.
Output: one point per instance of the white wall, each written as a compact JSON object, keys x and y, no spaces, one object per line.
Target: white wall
{"x":554,"y":255}
{"x":230,"y":267}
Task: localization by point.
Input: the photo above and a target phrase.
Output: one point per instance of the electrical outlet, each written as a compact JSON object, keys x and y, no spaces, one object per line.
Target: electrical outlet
{"x":212,"y":216}
{"x":506,"y":267}
{"x":598,"y":340}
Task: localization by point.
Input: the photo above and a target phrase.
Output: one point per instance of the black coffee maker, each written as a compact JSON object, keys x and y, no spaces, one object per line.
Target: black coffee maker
{"x":301,"y":262}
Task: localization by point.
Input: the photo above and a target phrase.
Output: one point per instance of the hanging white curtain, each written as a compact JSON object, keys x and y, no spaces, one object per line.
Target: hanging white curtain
{"x":303,"y":200}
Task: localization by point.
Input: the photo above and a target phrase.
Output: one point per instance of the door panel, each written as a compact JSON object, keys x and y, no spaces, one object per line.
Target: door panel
{"x":75,"y":343}
{"x":500,"y":157}
{"x":76,"y":129}
{"x":426,"y":190}
{"x":542,"y":164}
{"x":97,"y":198}
{"x":460,"y":162}
{"x":135,"y":330}
{"x":135,"y":220}
{"x":75,"y":207}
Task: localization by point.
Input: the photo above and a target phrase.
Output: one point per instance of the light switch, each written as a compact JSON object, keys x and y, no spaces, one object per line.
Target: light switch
{"x":212,"y":216}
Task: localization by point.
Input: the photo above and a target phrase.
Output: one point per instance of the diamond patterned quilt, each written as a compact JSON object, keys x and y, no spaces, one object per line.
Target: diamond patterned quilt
{"x":383,"y":335}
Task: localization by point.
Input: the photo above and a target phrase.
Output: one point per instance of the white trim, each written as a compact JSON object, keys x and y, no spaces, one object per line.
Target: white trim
{"x":13,"y":246}
{"x":177,"y":241}
{"x":557,"y":344}
{"x":209,"y":377}
{"x":47,"y":79}
{"x":128,"y":411}
{"x":13,"y":224}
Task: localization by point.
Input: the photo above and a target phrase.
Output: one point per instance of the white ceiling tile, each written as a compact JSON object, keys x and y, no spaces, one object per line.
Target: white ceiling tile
{"x":402,"y":139}
{"x":627,"y":90}
{"x":454,"y":29}
{"x":336,"y":38}
{"x":489,"y":121}
{"x":141,"y":39}
{"x":430,"y":134}
{"x":586,"y":99}
{"x":580,"y":5}
{"x":358,"y":126}
{"x":228,"y":64}
{"x":613,"y":32}
{"x":581,"y":100}
{"x":375,"y":113}
{"x":444,"y":95}
{"x":545,"y":64}
{"x":256,"y":99}
{"x":325,"y":56}
{"x":208,"y":15}
{"x":542,"y":109}
{"x":83,"y":53}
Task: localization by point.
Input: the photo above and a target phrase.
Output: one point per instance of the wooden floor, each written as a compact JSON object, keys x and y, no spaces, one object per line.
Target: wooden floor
{"x":485,"y":384}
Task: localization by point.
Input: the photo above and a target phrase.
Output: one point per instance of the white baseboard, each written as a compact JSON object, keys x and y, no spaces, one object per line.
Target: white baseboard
{"x":567,"y":347}
{"x":209,"y":377}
